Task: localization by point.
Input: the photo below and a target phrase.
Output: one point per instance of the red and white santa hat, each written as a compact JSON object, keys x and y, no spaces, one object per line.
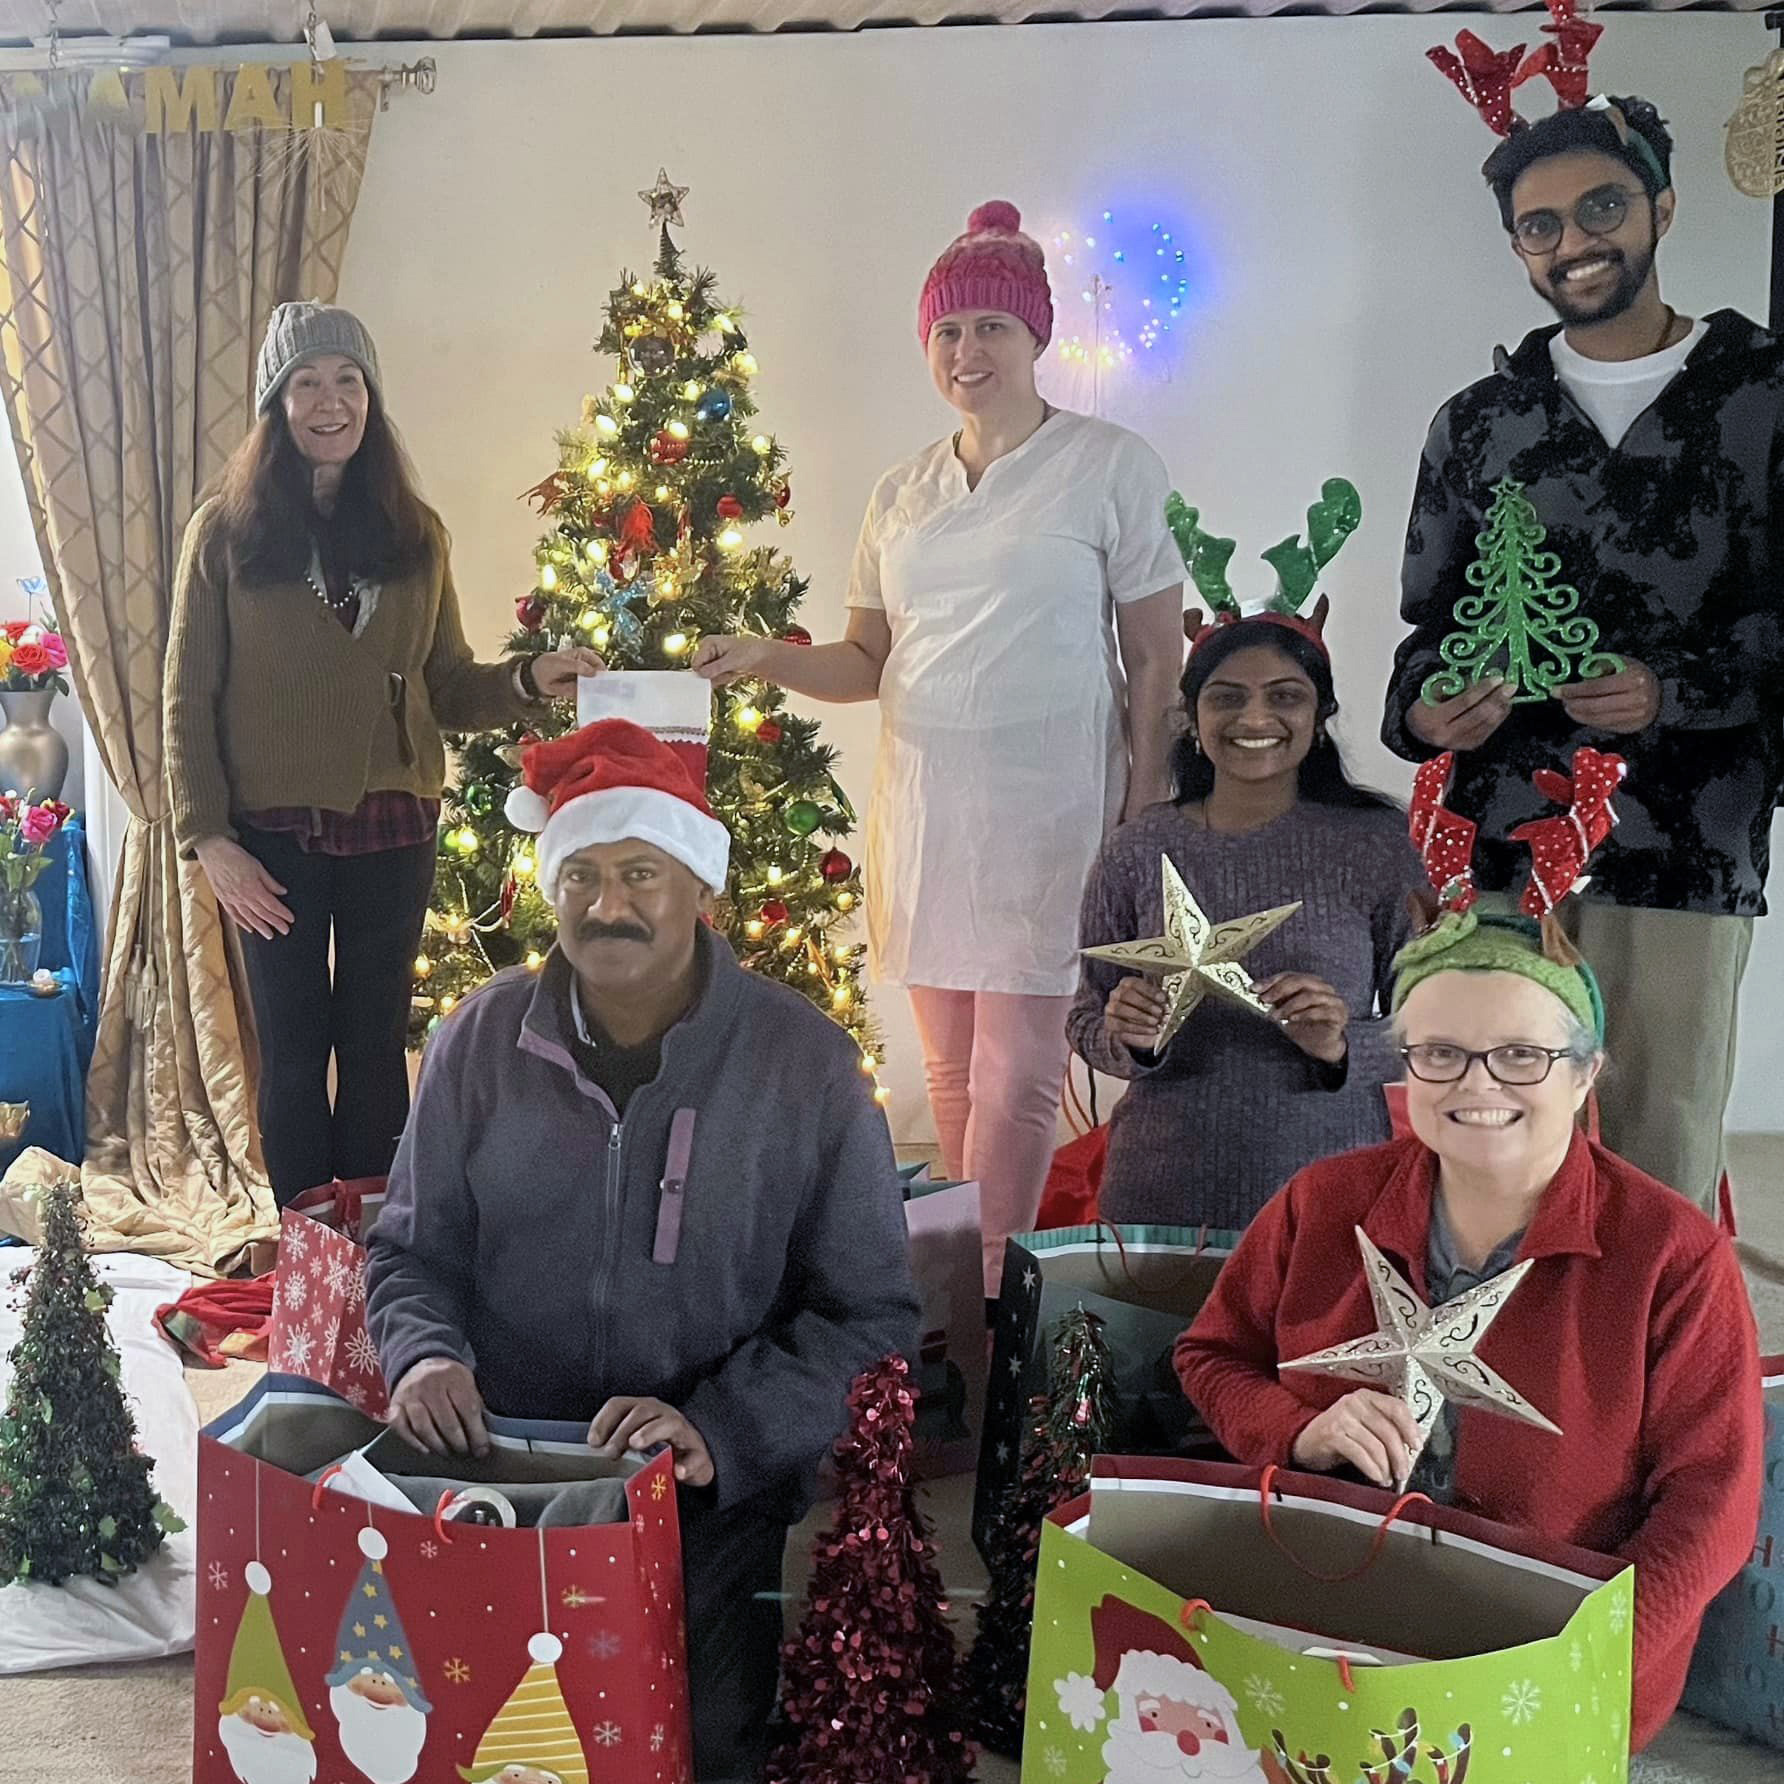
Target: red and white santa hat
{"x":614,"y":781}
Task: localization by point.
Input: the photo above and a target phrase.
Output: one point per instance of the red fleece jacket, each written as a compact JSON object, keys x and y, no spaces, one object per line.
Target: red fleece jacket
{"x":1633,"y":1332}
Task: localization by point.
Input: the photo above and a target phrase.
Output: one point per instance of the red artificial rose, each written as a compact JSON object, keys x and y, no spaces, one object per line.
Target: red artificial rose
{"x":15,"y":629}
{"x":31,"y":659}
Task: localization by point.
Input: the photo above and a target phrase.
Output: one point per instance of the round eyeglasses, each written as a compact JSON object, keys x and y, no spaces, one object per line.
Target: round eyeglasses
{"x":1437,"y":1062}
{"x":1600,"y":212}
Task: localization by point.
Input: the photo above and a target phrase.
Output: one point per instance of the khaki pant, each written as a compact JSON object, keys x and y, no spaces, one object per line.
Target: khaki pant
{"x":1672,"y":984}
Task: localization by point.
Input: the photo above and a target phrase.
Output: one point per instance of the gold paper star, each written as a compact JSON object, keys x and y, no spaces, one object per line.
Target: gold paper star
{"x":664,"y":199}
{"x":1425,"y":1355}
{"x":1194,"y":956}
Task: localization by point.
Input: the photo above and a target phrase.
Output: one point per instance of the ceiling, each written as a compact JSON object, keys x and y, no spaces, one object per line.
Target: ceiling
{"x":211,"y":21}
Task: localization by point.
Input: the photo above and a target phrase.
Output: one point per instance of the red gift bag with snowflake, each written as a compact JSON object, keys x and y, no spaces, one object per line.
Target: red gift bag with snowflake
{"x":318,"y":1327}
{"x":340,"y":1639}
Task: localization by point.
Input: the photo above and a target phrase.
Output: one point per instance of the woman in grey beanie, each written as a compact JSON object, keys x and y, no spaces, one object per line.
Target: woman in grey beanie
{"x":315,"y":656}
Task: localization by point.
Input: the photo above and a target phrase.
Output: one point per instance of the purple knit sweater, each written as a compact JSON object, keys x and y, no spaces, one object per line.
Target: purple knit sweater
{"x":1208,"y":1133}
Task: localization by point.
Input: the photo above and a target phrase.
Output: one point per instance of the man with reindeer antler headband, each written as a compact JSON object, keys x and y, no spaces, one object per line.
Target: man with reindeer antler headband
{"x":1566,"y":1345}
{"x":1594,"y":559}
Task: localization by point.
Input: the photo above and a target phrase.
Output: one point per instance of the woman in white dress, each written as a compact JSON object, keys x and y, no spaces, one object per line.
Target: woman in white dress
{"x":1015,"y":606}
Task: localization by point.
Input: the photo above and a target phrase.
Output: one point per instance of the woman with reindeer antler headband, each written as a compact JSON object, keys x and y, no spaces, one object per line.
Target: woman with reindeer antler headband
{"x":1594,"y":556}
{"x":1221,"y":1114}
{"x":1611,"y":1394}
{"x":1014,"y":607}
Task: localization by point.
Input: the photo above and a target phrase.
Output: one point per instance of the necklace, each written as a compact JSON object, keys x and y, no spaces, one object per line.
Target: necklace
{"x":328,"y":600}
{"x":1672,"y":316}
{"x":1047,"y":414}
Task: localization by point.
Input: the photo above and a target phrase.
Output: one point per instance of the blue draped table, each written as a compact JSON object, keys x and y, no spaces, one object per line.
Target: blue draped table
{"x":46,"y":1043}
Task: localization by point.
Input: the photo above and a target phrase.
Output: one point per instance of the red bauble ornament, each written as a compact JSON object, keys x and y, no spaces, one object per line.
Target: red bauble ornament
{"x":796,"y":635}
{"x":768,"y":732}
{"x":783,"y":493}
{"x":730,"y":508}
{"x":530,"y":610}
{"x":774,"y":911}
{"x":665,"y":449}
{"x":836,"y":866}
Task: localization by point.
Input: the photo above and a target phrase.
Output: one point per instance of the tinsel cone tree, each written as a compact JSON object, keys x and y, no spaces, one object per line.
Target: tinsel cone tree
{"x":1068,"y":1425}
{"x":649,"y":549}
{"x":870,"y":1684}
{"x":75,"y":1494}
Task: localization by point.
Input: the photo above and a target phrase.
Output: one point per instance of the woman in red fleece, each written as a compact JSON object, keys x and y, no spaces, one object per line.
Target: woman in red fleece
{"x":1632,"y":1330}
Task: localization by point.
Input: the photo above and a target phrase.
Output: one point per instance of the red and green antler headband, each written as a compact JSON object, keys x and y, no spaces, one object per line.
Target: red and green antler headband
{"x":1297,"y":563}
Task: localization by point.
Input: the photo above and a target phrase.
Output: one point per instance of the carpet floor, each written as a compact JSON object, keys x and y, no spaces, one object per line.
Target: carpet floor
{"x":133,"y":1724}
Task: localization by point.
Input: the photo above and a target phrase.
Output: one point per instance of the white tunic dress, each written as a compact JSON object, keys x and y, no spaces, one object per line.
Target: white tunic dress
{"x":1003,"y":755}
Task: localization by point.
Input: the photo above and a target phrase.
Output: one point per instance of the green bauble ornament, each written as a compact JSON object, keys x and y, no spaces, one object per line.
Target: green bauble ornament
{"x":802,"y":817}
{"x":479,"y":800}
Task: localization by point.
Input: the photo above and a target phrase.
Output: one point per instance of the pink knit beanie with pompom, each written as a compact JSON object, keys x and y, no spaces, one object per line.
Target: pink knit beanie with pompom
{"x":994,"y":266}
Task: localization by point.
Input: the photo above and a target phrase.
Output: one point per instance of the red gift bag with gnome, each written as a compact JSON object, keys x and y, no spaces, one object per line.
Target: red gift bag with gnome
{"x":340,"y":1639}
{"x":318,"y":1327}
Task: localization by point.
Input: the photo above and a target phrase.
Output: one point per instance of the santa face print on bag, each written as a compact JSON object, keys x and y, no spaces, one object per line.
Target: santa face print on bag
{"x":1174,"y":1723}
{"x":260,"y":1720}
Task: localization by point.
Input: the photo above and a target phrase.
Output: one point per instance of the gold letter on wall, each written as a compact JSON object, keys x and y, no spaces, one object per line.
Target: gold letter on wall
{"x":172,"y":104}
{"x":252,"y":105}
{"x":318,"y":94}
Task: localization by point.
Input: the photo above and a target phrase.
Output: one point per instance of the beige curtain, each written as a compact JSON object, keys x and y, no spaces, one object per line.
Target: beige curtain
{"x":137,"y":272}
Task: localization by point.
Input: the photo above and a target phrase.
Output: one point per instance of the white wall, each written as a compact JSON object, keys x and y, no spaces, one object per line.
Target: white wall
{"x":1357,"y":273}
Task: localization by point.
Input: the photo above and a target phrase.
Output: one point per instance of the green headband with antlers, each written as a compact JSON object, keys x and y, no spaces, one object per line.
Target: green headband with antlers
{"x":1297,"y":563}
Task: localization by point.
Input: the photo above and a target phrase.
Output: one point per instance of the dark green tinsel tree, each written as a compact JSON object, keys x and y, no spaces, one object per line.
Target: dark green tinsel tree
{"x":75,"y":1495}
{"x":648,"y":551}
{"x":1068,"y":1425}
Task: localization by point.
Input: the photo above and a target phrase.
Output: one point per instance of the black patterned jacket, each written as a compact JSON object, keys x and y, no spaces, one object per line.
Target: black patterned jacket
{"x":1675,"y":540}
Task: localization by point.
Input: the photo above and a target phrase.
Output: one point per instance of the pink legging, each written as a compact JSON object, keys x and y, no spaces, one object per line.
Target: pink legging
{"x":995,"y":1062}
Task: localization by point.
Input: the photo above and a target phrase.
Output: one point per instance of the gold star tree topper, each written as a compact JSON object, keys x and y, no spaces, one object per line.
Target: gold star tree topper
{"x":1194,"y":956}
{"x":664,"y":199}
{"x":1425,"y":1355}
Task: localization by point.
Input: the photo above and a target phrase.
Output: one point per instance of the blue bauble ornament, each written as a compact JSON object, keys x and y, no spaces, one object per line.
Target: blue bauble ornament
{"x":715,"y":405}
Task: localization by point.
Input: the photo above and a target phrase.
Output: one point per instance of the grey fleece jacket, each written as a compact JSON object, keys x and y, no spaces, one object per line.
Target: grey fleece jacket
{"x":521,"y":1234}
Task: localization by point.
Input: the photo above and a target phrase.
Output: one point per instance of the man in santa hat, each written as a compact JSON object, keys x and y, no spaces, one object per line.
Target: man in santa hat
{"x":1175,"y":1723}
{"x":647,"y":1189}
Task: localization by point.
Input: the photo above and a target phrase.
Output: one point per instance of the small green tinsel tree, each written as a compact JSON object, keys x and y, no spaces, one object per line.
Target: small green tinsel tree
{"x":647,"y":554}
{"x":75,"y":1495}
{"x":1068,"y":1425}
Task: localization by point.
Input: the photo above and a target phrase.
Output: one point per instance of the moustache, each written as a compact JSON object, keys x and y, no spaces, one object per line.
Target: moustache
{"x":590,"y":930}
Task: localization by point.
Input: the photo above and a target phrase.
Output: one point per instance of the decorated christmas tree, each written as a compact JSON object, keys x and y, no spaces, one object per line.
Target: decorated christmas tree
{"x":869,"y":1685}
{"x":1067,"y":1426}
{"x":649,"y":550}
{"x":1520,"y":624}
{"x":75,"y":1495}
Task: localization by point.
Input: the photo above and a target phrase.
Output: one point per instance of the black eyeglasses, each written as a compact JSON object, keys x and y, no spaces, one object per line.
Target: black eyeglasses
{"x":1601,"y":212}
{"x":1437,"y":1062}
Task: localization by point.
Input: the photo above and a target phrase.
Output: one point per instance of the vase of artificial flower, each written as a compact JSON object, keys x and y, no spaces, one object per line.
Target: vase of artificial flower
{"x":33,"y":754}
{"x":25,"y":832}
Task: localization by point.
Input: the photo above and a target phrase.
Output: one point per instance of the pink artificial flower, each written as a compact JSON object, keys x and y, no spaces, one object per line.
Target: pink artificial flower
{"x":52,"y":642}
{"x":38,"y":825}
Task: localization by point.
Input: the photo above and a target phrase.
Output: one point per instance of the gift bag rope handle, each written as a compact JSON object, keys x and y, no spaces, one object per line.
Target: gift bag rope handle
{"x":1266,"y":1485}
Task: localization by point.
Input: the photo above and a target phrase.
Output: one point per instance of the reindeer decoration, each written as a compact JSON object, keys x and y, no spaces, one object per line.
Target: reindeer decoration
{"x":1297,"y":563}
{"x":1399,"y":1759}
{"x":1487,"y":78}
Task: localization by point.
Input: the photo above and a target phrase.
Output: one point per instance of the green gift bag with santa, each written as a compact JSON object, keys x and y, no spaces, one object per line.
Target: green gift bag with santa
{"x":1197,"y":1622}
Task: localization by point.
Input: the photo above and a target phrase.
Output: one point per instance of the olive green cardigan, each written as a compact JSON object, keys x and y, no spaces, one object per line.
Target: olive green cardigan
{"x":271,"y":702}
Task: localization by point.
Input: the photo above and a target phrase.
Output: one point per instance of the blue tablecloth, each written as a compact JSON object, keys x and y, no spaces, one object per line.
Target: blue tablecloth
{"x":46,"y":1043}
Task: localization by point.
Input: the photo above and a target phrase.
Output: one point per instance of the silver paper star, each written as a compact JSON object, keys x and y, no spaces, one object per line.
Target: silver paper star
{"x":1194,"y":956}
{"x":664,"y":199}
{"x":1425,"y":1355}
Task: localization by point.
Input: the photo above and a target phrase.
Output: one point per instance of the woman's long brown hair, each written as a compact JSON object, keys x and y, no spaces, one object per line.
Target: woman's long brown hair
{"x":380,"y":527}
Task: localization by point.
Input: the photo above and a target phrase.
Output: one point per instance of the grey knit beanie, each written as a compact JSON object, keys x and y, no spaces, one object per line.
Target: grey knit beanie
{"x":302,"y":331}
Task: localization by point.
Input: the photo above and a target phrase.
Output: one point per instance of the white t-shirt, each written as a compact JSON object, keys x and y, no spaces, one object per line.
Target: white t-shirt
{"x":1002,"y":760}
{"x":1615,"y":391}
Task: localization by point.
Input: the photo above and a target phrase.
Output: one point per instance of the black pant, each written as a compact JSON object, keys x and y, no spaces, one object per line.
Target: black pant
{"x":731,"y":1569}
{"x":373,"y":908}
